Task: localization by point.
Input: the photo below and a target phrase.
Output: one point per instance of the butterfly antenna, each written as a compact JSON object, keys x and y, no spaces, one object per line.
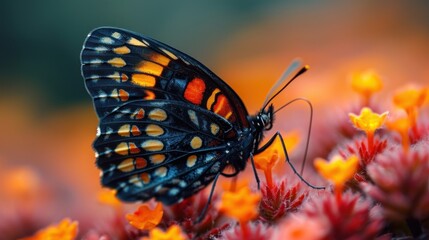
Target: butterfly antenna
{"x":285,"y":76}
{"x":310,"y":123}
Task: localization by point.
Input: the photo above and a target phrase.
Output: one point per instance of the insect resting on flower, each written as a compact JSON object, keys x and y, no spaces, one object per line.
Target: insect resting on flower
{"x":168,"y":125}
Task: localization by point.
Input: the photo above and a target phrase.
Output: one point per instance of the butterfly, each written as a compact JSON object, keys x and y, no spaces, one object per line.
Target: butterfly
{"x":168,"y":126}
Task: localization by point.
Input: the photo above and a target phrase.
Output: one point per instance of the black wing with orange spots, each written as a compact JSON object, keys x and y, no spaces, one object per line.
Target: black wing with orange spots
{"x":121,"y":66}
{"x":158,"y":149}
{"x":165,"y":118}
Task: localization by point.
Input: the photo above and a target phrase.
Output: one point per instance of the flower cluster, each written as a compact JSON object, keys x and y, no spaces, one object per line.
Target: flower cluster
{"x":375,"y":177}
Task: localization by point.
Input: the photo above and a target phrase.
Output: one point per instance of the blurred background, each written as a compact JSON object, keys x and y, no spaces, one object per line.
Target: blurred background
{"x":47,"y":123}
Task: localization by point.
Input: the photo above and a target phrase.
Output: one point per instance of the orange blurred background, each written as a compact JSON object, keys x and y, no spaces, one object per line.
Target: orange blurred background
{"x":47,"y":123}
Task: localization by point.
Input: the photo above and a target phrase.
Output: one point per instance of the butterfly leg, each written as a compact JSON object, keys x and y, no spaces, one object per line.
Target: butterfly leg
{"x":254,"y":171}
{"x":268,"y":144}
{"x":204,"y":212}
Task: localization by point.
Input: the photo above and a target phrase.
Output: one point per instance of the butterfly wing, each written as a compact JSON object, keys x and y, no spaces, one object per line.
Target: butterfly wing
{"x":160,"y":148}
{"x":164,"y":117}
{"x":121,"y":66}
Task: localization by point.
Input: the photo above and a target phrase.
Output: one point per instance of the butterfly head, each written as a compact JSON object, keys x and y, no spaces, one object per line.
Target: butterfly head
{"x":265,"y":118}
{"x":261,"y":122}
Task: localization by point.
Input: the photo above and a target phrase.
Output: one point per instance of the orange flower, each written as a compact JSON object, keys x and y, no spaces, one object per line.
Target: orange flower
{"x":144,"y":218}
{"x":108,"y":197}
{"x":268,"y":159}
{"x":173,"y":233}
{"x":65,"y":230}
{"x":401,"y":125}
{"x":241,"y":205}
{"x":368,"y":121}
{"x":410,"y":100}
{"x":230,"y":185}
{"x":366,"y":83}
{"x":338,"y":170}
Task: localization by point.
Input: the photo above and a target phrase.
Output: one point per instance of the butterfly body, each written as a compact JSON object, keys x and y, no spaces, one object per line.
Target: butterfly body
{"x":168,"y":125}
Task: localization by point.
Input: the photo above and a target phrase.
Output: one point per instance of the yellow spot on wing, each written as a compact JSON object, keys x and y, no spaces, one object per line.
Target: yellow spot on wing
{"x":214,"y":128}
{"x":161,"y":59}
{"x":157,"y":158}
{"x":143,"y":80}
{"x":122,"y":148}
{"x":124,"y":130}
{"x":196,"y":142}
{"x":212,"y":98}
{"x":154,"y":130}
{"x":117,"y":62}
{"x":152,"y":145}
{"x":150,"y":68}
{"x":122,"y":50}
{"x":127,"y":165}
{"x":161,"y":172}
{"x":134,"y":179}
{"x":136,"y":42}
{"x":190,"y":162}
{"x":170,"y":54}
{"x":116,"y":35}
{"x":158,"y":114}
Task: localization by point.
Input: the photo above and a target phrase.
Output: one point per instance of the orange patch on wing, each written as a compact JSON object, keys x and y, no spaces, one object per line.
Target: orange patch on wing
{"x":139,"y":114}
{"x":150,"y":68}
{"x":145,"y":177}
{"x":143,"y":80}
{"x":124,"y":77}
{"x":149,"y":95}
{"x":222,"y":106}
{"x":133,"y":148}
{"x":135,"y":130}
{"x":141,"y":163}
{"x":194,"y":91}
{"x":123,"y":95}
{"x":161,"y":59}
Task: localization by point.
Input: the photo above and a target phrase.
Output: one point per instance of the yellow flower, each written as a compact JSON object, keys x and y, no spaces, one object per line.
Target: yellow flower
{"x":173,"y":233}
{"x":366,"y":83}
{"x":108,"y":197}
{"x":410,"y":98}
{"x":338,"y":170}
{"x":368,"y":121}
{"x":65,"y":230}
{"x":241,"y":205}
{"x":144,"y":218}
